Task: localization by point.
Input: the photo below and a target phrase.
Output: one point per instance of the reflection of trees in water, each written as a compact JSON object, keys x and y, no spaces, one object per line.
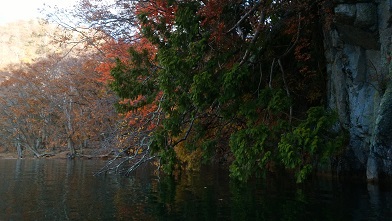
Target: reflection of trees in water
{"x":192,"y":196}
{"x":18,"y":168}
{"x":67,"y":189}
{"x":132,"y":195}
{"x":52,"y":189}
{"x":212,"y":196}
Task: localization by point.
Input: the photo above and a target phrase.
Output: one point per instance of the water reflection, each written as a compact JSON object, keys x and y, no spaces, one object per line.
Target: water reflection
{"x":67,"y":190}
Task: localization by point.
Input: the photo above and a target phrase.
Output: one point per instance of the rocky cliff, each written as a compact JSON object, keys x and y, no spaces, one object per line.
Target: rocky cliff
{"x":358,"y":51}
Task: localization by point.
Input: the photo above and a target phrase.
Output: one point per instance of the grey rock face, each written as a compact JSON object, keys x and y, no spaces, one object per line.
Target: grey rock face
{"x":366,"y":16}
{"x":381,"y":145}
{"x":372,"y":168}
{"x":345,"y":13}
{"x":358,"y":49}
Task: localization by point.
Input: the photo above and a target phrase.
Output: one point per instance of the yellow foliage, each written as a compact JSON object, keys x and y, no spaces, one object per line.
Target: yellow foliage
{"x":189,"y":159}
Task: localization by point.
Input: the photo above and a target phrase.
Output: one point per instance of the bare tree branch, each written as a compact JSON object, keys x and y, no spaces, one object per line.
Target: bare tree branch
{"x":245,"y":16}
{"x":255,"y":37}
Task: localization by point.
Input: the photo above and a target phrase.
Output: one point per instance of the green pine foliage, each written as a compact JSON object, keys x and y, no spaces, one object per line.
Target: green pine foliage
{"x":251,"y":151}
{"x":311,"y":143}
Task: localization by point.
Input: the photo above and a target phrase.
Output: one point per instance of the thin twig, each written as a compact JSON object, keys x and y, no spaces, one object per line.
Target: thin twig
{"x":286,"y":87}
{"x":255,"y":37}
{"x":244,"y":16}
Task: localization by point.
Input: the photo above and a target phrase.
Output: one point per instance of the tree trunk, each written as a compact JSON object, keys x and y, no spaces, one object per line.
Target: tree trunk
{"x":71,"y":146}
{"x":19,"y":149}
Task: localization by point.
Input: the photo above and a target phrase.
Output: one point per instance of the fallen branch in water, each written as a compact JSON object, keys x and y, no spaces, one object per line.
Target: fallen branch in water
{"x":126,"y":164}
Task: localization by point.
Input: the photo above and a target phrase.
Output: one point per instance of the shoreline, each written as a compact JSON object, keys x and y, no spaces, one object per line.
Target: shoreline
{"x":87,"y":154}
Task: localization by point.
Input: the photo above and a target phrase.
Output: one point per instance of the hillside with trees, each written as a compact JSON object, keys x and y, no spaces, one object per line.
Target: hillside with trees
{"x":245,"y":84}
{"x":52,"y":95}
{"x":24,"y":41}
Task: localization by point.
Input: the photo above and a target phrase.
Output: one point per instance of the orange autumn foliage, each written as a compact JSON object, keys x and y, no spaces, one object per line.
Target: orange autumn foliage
{"x":140,"y":117}
{"x":160,"y":10}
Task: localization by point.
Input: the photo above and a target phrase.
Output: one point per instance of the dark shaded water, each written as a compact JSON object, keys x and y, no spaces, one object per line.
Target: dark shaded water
{"x":67,"y":190}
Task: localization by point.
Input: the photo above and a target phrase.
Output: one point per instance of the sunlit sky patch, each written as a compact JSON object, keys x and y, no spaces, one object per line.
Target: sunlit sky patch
{"x":14,"y":10}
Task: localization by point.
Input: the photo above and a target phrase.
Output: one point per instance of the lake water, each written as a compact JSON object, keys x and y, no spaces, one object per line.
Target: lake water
{"x":67,"y":190}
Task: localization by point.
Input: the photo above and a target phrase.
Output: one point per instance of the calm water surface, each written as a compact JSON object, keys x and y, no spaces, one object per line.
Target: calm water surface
{"x":67,"y":190}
